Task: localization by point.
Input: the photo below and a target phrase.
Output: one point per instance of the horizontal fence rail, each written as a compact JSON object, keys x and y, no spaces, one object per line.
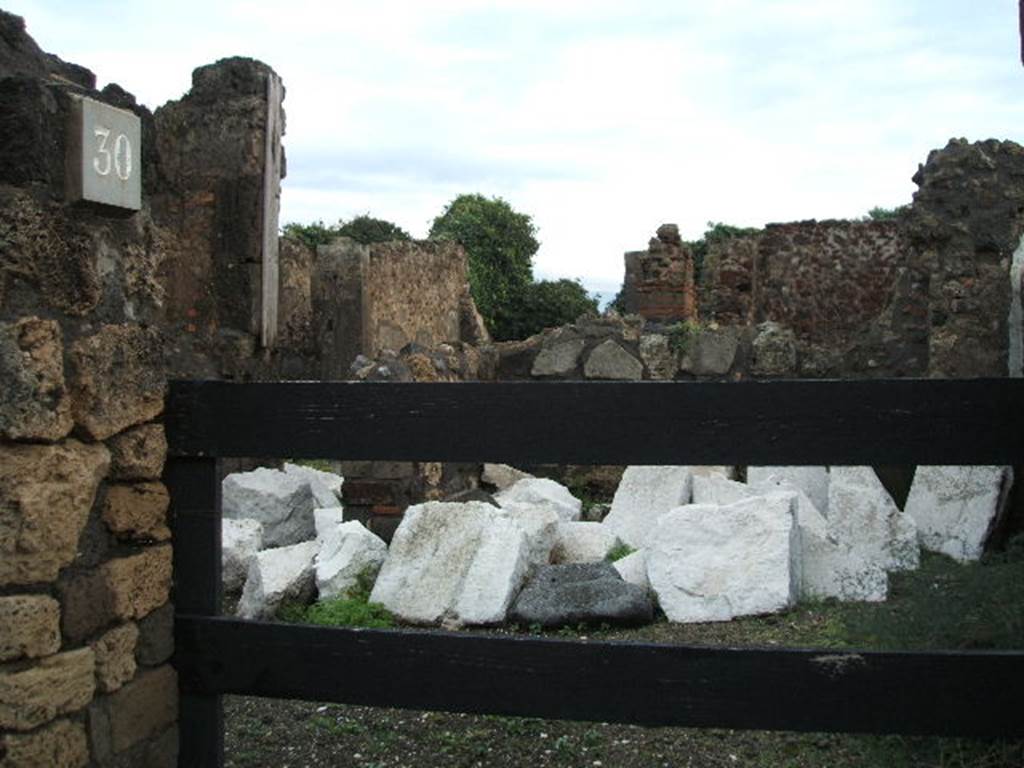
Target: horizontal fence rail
{"x":780,"y":422}
{"x":968,"y":694}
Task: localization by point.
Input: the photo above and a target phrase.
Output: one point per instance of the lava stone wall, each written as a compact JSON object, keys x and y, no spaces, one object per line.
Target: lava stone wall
{"x":848,"y":291}
{"x":925,"y":294}
{"x":85,"y":553}
{"x":966,"y":221}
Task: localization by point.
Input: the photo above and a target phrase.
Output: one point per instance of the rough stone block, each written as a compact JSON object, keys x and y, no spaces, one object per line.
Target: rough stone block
{"x":583,"y":542}
{"x":661,"y":360}
{"x":326,"y":520}
{"x":34,"y":403}
{"x":711,"y":563}
{"x":812,"y":481}
{"x":539,"y":523}
{"x":347,"y":553}
{"x":957,"y":508}
{"x":29,"y":626}
{"x":141,"y":582}
{"x":591,"y":593}
{"x":137,"y":511}
{"x":827,"y":568}
{"x":542,"y":491}
{"x":138,"y":454}
{"x":609,"y":360}
{"x":143,"y":708}
{"x":502,"y":476}
{"x":241,"y":539}
{"x":711,"y":352}
{"x":55,"y":686}
{"x":283,"y":503}
{"x":457,"y":563}
{"x":645,"y":493}
{"x":46,"y":492}
{"x":115,"y":657}
{"x":118,"y":379}
{"x":120,"y":589}
{"x":326,"y":486}
{"x":558,"y":359}
{"x":633,"y":569}
{"x":62,"y":744}
{"x":156,"y":637}
{"x":864,"y":519}
{"x":279,"y":575}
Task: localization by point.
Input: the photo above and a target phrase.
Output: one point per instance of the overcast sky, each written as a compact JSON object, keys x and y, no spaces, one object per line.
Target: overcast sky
{"x":601,"y":120}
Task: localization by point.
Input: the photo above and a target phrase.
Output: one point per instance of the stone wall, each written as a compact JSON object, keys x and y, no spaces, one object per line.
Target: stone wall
{"x":659,"y":282}
{"x":383,"y":296}
{"x":85,"y":553}
{"x":848,"y":291}
{"x":964,"y":226}
{"x":925,"y":294}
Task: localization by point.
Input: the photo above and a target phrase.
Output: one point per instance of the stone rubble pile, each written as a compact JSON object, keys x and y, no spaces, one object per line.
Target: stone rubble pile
{"x":700,"y":545}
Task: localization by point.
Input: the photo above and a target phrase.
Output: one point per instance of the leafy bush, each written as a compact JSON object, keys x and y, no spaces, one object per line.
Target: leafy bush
{"x":681,"y":335}
{"x":363,"y":229}
{"x":500,"y":244}
{"x":314,"y":234}
{"x":540,"y":305}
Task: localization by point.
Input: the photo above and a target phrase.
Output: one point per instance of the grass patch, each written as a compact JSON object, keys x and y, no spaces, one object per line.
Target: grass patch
{"x":948,"y":605}
{"x":619,"y":551}
{"x":353,"y":610}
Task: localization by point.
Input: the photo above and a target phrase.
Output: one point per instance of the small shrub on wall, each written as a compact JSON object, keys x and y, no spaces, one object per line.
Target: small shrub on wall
{"x":363,"y":229}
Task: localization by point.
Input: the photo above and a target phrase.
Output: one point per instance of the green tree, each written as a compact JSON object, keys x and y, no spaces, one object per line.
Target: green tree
{"x":540,"y":305}
{"x":363,"y":229}
{"x":499,"y":244}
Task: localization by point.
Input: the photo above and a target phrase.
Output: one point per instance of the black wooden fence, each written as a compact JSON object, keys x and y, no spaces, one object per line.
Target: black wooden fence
{"x":784,"y":422}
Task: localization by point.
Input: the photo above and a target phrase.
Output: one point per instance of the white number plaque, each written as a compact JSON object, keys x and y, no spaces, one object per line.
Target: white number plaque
{"x":104,"y":154}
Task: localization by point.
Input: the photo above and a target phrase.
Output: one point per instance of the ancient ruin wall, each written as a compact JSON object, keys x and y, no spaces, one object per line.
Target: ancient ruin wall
{"x":965,"y":224}
{"x":85,"y":552}
{"x":383,"y":296}
{"x":414,"y":292}
{"x":659,"y":282}
{"x":926,"y":294}
{"x":849,"y":291}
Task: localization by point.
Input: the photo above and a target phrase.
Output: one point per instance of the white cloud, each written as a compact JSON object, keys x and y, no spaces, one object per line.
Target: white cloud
{"x":600,"y":119}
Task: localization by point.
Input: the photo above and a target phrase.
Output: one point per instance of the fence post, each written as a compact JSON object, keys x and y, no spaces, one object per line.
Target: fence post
{"x":195,"y":513}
